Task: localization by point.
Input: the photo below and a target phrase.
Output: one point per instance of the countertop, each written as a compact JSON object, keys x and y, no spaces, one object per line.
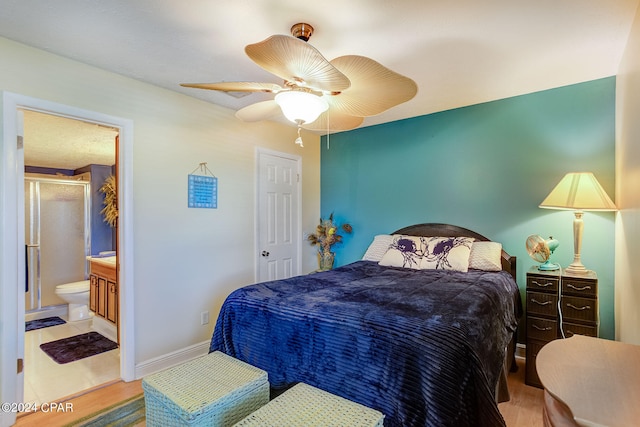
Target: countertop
{"x":109,"y":261}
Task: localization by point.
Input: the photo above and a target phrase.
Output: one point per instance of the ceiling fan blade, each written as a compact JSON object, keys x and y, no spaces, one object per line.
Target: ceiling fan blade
{"x":332,"y":120}
{"x":236,"y":86}
{"x":374,"y":87}
{"x":265,"y":110}
{"x":298,"y":62}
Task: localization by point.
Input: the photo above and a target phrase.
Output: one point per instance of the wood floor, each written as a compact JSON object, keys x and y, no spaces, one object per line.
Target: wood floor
{"x":83,"y":405}
{"x":525,"y":407}
{"x":523,"y":410}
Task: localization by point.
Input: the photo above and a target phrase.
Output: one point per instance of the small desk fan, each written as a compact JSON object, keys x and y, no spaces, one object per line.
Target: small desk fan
{"x":540,"y":250}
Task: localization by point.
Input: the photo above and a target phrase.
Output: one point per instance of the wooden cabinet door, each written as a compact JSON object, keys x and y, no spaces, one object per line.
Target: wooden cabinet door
{"x":102,"y":296}
{"x":112,"y":302}
{"x":93,"y":293}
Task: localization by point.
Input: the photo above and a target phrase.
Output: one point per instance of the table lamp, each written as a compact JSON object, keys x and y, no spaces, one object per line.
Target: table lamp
{"x":578,"y":191}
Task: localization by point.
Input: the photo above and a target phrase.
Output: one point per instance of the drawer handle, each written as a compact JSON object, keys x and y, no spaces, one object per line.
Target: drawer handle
{"x":547,"y":328}
{"x":541,"y":303}
{"x":584,"y":288}
{"x":586,"y":307}
{"x":543,"y":285}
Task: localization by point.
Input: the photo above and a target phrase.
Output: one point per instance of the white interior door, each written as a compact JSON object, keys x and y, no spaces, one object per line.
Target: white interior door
{"x":278,"y":216}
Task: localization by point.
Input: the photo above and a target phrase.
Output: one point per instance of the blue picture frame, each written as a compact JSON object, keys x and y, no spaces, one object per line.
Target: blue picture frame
{"x":203,"y":192}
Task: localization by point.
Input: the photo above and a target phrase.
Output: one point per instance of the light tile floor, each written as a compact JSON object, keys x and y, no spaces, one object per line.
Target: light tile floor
{"x":46,"y":381}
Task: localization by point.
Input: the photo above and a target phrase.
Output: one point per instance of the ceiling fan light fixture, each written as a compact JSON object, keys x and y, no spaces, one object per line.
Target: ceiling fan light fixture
{"x":301,"y":107}
{"x":355,"y":86}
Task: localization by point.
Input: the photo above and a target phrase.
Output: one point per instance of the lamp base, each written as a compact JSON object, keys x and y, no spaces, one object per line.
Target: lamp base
{"x":576,"y":269}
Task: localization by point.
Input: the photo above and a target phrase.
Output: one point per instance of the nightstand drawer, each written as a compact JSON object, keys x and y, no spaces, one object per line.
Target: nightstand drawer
{"x":541,"y":329}
{"x":543,"y":283}
{"x":579,"y":309}
{"x":579,"y":287}
{"x":571,"y":329}
{"x":541,"y":303}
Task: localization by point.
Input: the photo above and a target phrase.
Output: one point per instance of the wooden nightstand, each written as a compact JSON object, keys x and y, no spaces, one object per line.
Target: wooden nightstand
{"x":576,"y":313}
{"x":579,"y":299}
{"x":541,"y":316}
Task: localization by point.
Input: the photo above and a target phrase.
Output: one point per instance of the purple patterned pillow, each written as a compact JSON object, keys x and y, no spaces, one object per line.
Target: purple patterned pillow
{"x":404,"y":251}
{"x":446,"y":253}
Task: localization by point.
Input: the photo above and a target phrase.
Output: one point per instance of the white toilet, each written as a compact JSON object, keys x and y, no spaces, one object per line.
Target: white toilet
{"x":77,"y":295}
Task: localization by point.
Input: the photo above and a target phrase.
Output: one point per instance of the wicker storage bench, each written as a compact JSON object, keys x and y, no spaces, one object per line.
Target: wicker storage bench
{"x":304,"y":405}
{"x":213,"y":390}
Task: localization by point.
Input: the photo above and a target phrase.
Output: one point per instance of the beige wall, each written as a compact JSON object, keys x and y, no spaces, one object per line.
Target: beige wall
{"x":627,"y":286}
{"x":186,"y":260}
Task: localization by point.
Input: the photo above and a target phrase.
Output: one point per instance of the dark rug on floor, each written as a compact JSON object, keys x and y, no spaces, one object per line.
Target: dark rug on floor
{"x":32,"y":325}
{"x":77,"y":347}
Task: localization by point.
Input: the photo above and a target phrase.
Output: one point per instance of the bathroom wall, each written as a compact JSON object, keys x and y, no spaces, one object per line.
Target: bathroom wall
{"x":102,"y":238}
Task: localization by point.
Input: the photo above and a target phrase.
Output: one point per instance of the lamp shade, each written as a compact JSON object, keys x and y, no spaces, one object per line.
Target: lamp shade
{"x":301,"y":107}
{"x":579,"y":191}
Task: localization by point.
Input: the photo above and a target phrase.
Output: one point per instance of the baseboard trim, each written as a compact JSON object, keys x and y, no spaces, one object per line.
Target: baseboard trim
{"x":48,"y":311}
{"x":104,"y":327}
{"x":171,"y":359}
{"x":521,"y":351}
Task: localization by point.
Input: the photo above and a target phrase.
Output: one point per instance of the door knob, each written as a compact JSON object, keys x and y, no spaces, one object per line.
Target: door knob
{"x":265,"y":253}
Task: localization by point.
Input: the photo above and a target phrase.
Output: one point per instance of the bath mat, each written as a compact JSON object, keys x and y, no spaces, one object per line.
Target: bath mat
{"x":32,"y":325}
{"x":77,"y":347}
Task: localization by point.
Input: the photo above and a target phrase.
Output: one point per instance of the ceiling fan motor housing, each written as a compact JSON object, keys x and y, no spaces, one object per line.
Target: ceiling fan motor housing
{"x":302,"y":31}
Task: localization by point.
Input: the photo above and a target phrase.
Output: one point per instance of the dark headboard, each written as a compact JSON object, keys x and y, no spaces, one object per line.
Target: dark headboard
{"x":448,"y":230}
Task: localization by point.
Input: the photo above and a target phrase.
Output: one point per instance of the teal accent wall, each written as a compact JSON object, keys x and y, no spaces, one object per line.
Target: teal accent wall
{"x":485,"y":167}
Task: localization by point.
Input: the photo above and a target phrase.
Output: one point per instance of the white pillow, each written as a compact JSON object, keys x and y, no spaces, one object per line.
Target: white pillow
{"x":486,"y":256}
{"x":378,"y":247}
{"x":405,"y":251}
{"x":447,"y":253}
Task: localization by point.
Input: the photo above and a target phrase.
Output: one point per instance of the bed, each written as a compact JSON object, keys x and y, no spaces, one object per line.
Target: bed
{"x":426,"y":347}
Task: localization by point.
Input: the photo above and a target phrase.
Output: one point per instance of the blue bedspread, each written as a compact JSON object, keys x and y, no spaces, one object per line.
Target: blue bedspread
{"x":424,"y":347}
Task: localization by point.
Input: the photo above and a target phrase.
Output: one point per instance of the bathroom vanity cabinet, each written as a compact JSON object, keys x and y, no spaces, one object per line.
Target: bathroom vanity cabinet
{"x":103,"y":295}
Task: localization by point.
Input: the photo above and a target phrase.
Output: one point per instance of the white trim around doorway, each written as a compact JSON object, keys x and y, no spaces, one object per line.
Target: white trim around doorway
{"x":10,"y":262}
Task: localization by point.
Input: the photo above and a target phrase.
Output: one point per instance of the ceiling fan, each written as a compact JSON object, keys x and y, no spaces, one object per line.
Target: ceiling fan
{"x":317,"y":94}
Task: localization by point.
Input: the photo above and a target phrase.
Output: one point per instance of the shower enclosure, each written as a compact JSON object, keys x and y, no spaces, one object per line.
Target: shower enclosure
{"x":57,"y":237}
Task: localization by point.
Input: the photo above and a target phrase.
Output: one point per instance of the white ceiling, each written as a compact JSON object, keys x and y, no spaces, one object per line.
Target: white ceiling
{"x":459,"y":53}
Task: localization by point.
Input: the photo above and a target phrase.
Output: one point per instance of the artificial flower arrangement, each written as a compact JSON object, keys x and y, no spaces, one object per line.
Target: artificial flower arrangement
{"x":324,"y":238}
{"x":110,"y":210}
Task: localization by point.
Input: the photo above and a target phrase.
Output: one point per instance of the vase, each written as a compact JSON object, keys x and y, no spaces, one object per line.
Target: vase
{"x":325,"y":260}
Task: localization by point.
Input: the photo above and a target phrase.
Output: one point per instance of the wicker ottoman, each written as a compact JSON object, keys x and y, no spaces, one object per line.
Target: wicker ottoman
{"x":213,"y":390}
{"x":304,"y":405}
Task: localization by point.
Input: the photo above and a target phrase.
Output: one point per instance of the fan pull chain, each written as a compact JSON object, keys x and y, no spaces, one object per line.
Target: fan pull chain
{"x":299,"y":138}
{"x":328,"y":129}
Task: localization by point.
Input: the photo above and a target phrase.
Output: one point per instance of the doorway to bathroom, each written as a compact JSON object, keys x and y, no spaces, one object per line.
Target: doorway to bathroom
{"x":66,"y":164}
{"x":12,"y":245}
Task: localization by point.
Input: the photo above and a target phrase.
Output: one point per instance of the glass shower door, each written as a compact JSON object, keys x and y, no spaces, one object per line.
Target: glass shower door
{"x":57,"y":237}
